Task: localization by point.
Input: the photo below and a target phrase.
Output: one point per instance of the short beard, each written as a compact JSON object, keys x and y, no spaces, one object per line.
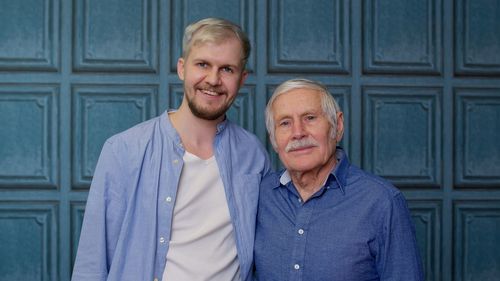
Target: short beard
{"x":205,"y":113}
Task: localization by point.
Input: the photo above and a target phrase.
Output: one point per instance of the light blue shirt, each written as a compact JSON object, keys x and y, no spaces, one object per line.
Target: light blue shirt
{"x":127,"y":224}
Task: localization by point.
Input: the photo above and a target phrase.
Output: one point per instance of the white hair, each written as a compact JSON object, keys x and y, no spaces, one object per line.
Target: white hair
{"x":328,"y":104}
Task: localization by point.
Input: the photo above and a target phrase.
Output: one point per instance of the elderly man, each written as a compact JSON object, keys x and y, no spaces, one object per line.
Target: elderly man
{"x":323,"y":218}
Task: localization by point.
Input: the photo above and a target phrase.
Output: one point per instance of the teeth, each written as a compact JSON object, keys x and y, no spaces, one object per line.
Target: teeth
{"x":210,"y":93}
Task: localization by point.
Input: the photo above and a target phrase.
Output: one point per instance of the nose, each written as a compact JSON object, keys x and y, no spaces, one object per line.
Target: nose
{"x":298,"y":130}
{"x":213,"y":77}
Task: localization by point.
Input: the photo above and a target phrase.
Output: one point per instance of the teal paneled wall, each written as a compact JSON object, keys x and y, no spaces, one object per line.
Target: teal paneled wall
{"x":419,"y":83}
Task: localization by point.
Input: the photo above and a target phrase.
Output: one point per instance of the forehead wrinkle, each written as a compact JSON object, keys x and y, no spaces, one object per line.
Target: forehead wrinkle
{"x":302,"y":112}
{"x":287,"y":101}
{"x":209,"y":56}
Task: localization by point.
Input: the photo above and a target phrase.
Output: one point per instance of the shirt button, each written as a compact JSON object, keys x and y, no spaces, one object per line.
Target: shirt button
{"x":175,"y":161}
{"x":156,"y":279}
{"x":300,"y":231}
{"x":168,"y":199}
{"x":162,"y":240}
{"x":296,"y":266}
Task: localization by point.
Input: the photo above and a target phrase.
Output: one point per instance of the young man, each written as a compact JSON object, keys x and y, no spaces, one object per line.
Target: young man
{"x":175,"y":197}
{"x":322,"y":218}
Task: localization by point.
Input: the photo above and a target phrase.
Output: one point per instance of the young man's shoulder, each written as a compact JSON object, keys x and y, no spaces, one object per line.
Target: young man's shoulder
{"x":139,"y":132}
{"x":241,"y":134}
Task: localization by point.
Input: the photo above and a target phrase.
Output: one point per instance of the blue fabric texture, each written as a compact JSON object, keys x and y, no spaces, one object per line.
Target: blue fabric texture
{"x":356,"y":227}
{"x":128,"y":215}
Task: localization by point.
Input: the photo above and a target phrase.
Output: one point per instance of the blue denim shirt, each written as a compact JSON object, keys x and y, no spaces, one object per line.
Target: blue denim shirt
{"x":128,"y":217}
{"x":357,"y":227}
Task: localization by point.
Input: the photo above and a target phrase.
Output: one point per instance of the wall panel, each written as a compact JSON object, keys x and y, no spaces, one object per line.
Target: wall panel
{"x":29,"y":35}
{"x":402,"y":134}
{"x":477,"y":123}
{"x":427,"y":219}
{"x":77,"y":209}
{"x":28,"y":146}
{"x":477,"y":240}
{"x":477,"y":37}
{"x":115,"y":108}
{"x":28,"y":241}
{"x":116,"y":35}
{"x":402,"y":37}
{"x":297,"y":45}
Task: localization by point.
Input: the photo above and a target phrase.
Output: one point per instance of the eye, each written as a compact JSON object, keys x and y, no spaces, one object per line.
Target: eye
{"x":202,"y":64}
{"x":227,"y":69}
{"x":310,"y":117}
{"x":284,"y":123}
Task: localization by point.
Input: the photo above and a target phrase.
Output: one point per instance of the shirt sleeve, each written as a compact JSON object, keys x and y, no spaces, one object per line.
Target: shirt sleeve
{"x":398,"y":257}
{"x":102,"y":219}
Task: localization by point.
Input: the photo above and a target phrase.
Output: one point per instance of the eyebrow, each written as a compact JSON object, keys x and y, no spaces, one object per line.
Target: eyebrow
{"x":195,"y":59}
{"x":307,"y":112}
{"x":231,"y":66}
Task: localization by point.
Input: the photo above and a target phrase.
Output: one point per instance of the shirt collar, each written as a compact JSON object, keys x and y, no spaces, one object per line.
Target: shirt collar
{"x":342,"y":168}
{"x":339,"y":173}
{"x":222,"y":125}
{"x":285,"y":178}
{"x":169,"y":129}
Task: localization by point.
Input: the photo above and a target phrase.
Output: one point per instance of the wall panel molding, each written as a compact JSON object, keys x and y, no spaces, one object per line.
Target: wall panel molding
{"x":427,"y":219}
{"x":29,"y":35}
{"x":296,"y":44}
{"x":100,"y":112}
{"x":477,"y":37}
{"x":29,"y":136}
{"x":77,"y":209}
{"x":477,"y":240}
{"x":113,"y":35}
{"x":477,"y":130}
{"x":402,"y":134}
{"x":28,"y":238}
{"x":402,"y":37}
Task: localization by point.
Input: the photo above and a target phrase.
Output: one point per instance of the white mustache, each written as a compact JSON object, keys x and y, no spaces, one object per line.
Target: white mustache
{"x":298,"y":144}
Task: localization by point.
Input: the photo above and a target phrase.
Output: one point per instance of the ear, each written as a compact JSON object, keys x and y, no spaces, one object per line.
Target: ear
{"x":180,"y":68}
{"x":244,"y":76}
{"x":340,"y":126}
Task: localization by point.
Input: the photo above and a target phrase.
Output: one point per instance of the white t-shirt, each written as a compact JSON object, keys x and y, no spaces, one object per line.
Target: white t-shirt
{"x":202,"y":244}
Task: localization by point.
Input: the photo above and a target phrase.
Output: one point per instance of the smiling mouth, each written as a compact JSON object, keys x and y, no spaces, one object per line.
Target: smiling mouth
{"x":211,"y":93}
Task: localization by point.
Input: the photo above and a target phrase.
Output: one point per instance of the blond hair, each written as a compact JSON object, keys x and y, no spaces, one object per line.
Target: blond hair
{"x":214,"y":30}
